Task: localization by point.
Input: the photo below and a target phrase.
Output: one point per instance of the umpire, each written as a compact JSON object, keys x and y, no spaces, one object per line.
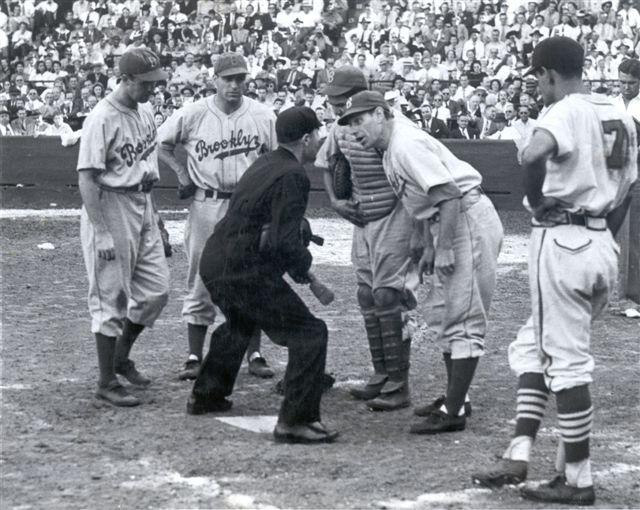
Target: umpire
{"x":244,"y":275}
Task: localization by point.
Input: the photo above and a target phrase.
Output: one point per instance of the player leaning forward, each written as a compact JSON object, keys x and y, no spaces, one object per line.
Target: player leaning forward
{"x":380,"y":250}
{"x":462,"y":235}
{"x":222,"y":135}
{"x":121,"y":244}
{"x":579,"y":167}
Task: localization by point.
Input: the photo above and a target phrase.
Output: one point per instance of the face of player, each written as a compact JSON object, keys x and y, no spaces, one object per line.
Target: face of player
{"x":231,"y":88}
{"x":338,"y":105}
{"x":367,"y":128}
{"x":629,"y":86}
{"x":138,"y":90}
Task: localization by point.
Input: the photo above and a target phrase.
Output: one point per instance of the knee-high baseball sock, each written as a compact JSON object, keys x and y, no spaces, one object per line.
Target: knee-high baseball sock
{"x":374,"y":337}
{"x":196,"y":334}
{"x":106,"y":347}
{"x":532,"y":399}
{"x":462,"y":371}
{"x":575,"y":415}
{"x":446,"y":356}
{"x":124,"y":343}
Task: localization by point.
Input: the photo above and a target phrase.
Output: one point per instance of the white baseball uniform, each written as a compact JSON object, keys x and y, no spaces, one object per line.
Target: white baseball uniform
{"x":219,"y":148}
{"x":572,"y":268}
{"x":120,"y":143}
{"x":416,"y":165}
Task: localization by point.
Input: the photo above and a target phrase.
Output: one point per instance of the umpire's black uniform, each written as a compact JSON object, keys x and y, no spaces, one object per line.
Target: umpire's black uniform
{"x":247,"y":284}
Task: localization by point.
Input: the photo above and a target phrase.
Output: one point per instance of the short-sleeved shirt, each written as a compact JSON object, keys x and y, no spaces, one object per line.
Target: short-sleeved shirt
{"x":121,"y":143}
{"x":416,"y":163}
{"x":596,"y":159}
{"x":220,"y":147}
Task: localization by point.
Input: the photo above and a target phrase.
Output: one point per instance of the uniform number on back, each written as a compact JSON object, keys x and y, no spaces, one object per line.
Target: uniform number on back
{"x":616,"y":141}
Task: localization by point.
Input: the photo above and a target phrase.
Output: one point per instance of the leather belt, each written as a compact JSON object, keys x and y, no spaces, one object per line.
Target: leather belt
{"x":216,"y":193}
{"x":583,"y":220}
{"x":143,"y":187}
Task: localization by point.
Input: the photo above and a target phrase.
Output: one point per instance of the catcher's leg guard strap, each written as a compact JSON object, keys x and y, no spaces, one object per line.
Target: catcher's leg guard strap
{"x":391,"y":332}
{"x":374,"y":336}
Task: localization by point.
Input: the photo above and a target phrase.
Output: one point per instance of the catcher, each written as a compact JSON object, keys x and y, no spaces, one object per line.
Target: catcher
{"x":360,"y":192}
{"x":246,"y":282}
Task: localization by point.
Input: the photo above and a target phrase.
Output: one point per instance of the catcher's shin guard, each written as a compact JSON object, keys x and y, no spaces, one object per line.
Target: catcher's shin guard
{"x":372,"y":388}
{"x":395,"y":392}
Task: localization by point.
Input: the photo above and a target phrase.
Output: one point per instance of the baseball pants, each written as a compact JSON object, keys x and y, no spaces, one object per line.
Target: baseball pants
{"x":136,"y":283}
{"x":571,"y":271}
{"x":204,"y":215}
{"x":469,"y":290}
{"x":271,"y":305}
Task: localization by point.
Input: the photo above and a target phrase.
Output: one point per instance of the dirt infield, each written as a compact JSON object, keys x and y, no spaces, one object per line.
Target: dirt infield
{"x":61,"y":449}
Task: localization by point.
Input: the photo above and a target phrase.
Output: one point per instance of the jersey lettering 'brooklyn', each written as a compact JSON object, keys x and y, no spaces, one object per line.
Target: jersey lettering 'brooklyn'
{"x":130,"y":152}
{"x":238,"y":143}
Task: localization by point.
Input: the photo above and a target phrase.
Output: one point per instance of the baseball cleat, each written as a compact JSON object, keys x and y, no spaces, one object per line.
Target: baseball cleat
{"x":304,"y":433}
{"x":558,"y":491}
{"x":190,"y":370}
{"x":371,"y":389}
{"x":116,"y":394}
{"x":197,"y":407}
{"x":259,"y":367}
{"x":427,"y":409}
{"x":505,"y":472}
{"x":127,"y":369}
{"x":438,"y":422}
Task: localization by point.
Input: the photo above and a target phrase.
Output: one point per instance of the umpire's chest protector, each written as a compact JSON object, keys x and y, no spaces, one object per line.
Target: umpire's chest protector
{"x":370,"y":185}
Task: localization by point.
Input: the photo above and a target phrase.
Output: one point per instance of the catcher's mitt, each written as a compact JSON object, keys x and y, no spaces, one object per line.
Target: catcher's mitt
{"x":341,"y":176}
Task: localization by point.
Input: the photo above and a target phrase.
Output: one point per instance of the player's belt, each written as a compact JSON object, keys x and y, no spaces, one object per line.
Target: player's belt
{"x":143,"y":187}
{"x":216,"y":193}
{"x":582,"y":220}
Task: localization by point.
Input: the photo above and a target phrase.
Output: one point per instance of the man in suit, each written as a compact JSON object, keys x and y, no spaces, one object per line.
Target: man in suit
{"x":23,"y":125}
{"x":464,"y":131}
{"x":435,"y":127}
{"x":5,"y":125}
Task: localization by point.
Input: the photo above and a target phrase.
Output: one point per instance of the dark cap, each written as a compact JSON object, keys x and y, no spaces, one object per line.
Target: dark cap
{"x":293,"y":123}
{"x":630,"y":66}
{"x":561,"y":54}
{"x":229,"y":64}
{"x":362,"y":102}
{"x":345,"y":79}
{"x":142,"y":63}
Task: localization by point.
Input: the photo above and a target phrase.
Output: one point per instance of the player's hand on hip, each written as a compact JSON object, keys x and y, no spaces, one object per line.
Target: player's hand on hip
{"x":445,"y":261}
{"x":349,"y":211}
{"x":550,"y":210}
{"x":105,"y":245}
{"x":426,"y":261}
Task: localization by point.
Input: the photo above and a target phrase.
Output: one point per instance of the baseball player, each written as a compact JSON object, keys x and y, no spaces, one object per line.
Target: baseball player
{"x":380,"y":250}
{"x":245,"y":278}
{"x":121,"y":244}
{"x":462,"y":239}
{"x":222,"y":135}
{"x":579,"y":167}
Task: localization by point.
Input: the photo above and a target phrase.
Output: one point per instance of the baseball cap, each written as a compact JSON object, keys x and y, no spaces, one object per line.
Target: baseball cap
{"x":361,"y":102}
{"x":561,"y":54}
{"x":229,"y":64}
{"x":345,"y":79}
{"x":293,"y":123}
{"x":142,"y":63}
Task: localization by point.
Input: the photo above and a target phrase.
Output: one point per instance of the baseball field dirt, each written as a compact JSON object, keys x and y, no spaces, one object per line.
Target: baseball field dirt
{"x":61,"y":449}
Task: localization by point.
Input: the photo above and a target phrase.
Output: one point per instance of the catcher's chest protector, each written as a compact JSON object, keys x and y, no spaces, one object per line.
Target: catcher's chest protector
{"x":370,"y":185}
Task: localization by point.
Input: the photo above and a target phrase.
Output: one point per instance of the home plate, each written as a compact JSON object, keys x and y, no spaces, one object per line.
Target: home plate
{"x":261,"y":424}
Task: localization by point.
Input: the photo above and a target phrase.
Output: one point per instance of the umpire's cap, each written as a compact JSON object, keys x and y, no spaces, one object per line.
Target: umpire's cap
{"x":293,"y":123}
{"x":142,"y":63}
{"x":562,"y":54}
{"x":345,"y":80}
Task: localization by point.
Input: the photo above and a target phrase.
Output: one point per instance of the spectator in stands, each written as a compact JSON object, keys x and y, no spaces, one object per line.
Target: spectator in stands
{"x":5,"y":126}
{"x":58,"y":128}
{"x":435,"y":127}
{"x":629,"y":100}
{"x":464,"y":130}
{"x":23,"y":125}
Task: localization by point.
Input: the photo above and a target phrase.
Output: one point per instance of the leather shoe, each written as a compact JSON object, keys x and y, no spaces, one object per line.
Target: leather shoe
{"x":116,"y":394}
{"x":258,"y":367}
{"x":190,"y":371}
{"x":426,"y":410}
{"x":196,"y":406}
{"x":558,"y":491}
{"x":127,"y":369}
{"x":505,"y":472}
{"x":304,"y":433}
{"x":438,"y":422}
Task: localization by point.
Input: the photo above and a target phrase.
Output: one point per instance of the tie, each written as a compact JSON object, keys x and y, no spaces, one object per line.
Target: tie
{"x":464,"y":132}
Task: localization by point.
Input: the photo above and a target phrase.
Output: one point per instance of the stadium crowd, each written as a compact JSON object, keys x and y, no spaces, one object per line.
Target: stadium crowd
{"x":454,"y":67}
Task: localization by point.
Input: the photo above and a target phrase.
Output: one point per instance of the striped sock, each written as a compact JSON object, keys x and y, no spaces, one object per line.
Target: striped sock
{"x":575,"y":417}
{"x":532,"y":399}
